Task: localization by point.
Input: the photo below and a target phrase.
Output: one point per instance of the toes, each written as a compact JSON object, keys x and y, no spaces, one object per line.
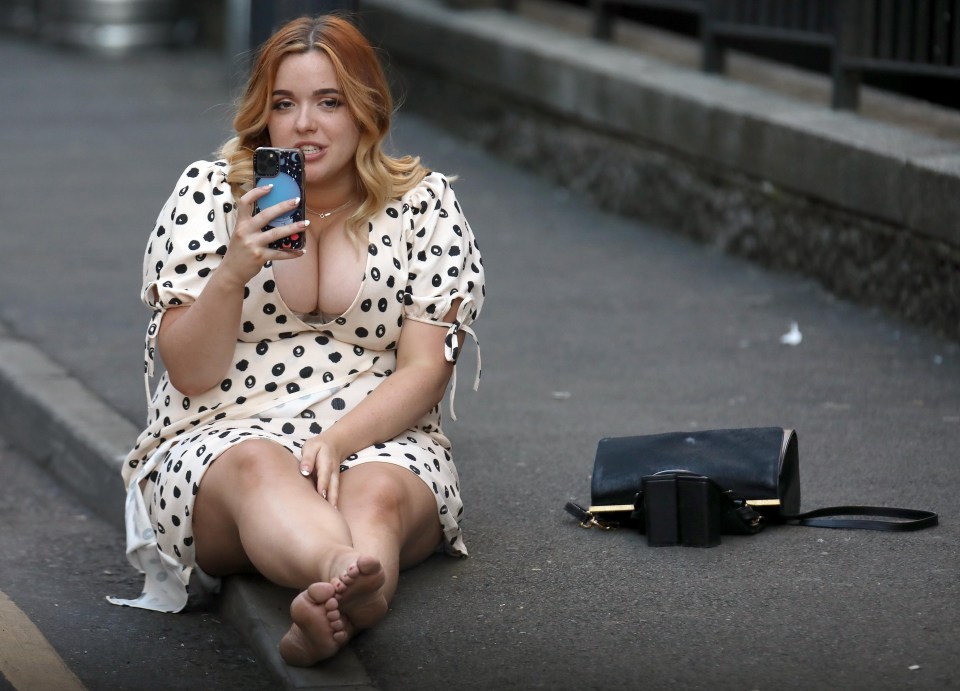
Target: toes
{"x":349,"y":576}
{"x":334,"y":615}
{"x":365,"y":565}
{"x":318,"y":630}
{"x":368,"y":565}
{"x":320,"y":592}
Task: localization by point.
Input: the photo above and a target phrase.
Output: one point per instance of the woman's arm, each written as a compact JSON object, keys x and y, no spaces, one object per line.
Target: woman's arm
{"x":197,"y":341}
{"x":418,"y":384}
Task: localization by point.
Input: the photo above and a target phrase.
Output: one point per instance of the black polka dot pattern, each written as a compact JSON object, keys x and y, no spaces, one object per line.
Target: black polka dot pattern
{"x":292,"y":377}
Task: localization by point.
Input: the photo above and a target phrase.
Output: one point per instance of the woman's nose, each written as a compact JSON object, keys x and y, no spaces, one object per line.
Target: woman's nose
{"x":305,"y":121}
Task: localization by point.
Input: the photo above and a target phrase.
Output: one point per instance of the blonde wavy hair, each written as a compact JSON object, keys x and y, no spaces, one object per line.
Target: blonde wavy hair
{"x":364,"y":90}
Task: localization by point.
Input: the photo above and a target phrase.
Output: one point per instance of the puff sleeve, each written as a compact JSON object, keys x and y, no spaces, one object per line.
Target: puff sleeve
{"x":188,"y":242}
{"x":444,"y":265}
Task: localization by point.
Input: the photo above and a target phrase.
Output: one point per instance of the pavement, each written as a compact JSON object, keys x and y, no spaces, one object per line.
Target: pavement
{"x":595,"y":326}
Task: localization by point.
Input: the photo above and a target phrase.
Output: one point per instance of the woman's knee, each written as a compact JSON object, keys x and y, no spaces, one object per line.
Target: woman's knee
{"x":253,"y":463}
{"x":373,"y":487}
{"x":388,"y":495}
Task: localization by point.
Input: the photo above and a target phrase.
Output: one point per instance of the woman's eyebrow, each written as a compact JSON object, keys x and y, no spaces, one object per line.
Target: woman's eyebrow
{"x":317,"y":92}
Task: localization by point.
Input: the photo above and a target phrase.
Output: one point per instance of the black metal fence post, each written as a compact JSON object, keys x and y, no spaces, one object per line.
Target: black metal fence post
{"x":602,"y":19}
{"x":251,"y":22}
{"x":848,"y":25}
{"x":712,"y":56}
{"x":892,"y":38}
{"x":268,"y":15}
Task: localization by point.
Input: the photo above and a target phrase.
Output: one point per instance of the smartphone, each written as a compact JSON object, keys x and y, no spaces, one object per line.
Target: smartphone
{"x":283,"y":168}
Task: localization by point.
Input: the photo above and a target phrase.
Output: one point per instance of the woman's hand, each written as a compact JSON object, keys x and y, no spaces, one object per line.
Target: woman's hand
{"x":321,"y":459}
{"x":249,"y":247}
{"x":418,"y":384}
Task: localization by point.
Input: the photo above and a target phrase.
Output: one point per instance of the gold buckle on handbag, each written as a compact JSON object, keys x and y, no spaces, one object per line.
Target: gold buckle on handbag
{"x":590,"y":516}
{"x":592,"y":522}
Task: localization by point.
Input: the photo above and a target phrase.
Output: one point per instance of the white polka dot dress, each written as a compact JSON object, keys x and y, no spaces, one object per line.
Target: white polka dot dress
{"x":292,"y":375}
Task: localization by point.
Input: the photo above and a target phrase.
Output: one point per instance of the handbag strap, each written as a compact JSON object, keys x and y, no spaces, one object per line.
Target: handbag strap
{"x":908,"y":519}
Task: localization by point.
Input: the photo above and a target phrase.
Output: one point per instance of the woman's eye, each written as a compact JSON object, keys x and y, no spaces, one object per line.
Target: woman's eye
{"x":329,"y":103}
{"x":282,"y":105}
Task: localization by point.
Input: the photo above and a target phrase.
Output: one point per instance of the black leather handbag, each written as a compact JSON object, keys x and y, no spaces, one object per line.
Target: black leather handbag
{"x":688,"y":488}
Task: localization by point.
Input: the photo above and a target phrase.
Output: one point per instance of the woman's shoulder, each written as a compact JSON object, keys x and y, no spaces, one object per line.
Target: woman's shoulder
{"x":203,"y":184}
{"x":433,"y":185}
{"x":213,"y":172}
{"x":201,"y":201}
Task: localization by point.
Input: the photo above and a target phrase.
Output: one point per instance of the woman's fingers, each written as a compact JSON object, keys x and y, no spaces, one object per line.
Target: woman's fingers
{"x":333,"y":487}
{"x":276,"y":233}
{"x":280,"y":232}
{"x":264,"y":216}
{"x":249,"y":247}
{"x":248,"y":199}
{"x":323,"y":469}
{"x":319,"y":460}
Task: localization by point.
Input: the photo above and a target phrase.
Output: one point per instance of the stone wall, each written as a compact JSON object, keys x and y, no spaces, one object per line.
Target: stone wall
{"x":869,"y":211}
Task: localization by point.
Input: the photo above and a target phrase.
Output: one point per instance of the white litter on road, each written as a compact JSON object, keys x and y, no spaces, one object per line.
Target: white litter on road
{"x":793,"y":336}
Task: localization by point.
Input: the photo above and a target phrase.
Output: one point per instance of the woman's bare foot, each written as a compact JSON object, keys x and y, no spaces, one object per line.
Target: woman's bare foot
{"x":359,"y":590}
{"x":318,"y":631}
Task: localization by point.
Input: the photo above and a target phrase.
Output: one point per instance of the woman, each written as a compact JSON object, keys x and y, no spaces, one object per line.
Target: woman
{"x":296,"y":430}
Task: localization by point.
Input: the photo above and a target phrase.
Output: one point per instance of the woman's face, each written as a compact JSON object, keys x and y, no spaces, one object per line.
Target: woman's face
{"x":308,"y":113}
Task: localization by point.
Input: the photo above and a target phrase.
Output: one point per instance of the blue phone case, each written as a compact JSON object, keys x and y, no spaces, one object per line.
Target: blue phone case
{"x":283,"y":168}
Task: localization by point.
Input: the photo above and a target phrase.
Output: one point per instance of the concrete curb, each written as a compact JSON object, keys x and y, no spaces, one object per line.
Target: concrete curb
{"x":73,"y":435}
{"x":259,"y":610}
{"x":69,"y":431}
{"x":880,"y":171}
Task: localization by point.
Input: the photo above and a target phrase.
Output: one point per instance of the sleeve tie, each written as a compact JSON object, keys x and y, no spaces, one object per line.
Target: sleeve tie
{"x":451,"y":350}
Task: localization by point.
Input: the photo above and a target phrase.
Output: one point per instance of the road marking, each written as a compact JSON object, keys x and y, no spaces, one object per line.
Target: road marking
{"x":27,"y":659}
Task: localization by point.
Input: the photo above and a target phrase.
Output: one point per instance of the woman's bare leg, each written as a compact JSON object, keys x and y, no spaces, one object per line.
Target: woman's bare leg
{"x":254,"y":509}
{"x":393,"y":520}
{"x":392,"y":516}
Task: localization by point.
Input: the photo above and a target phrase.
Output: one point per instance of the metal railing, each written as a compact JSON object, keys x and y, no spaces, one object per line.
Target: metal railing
{"x":907,"y":37}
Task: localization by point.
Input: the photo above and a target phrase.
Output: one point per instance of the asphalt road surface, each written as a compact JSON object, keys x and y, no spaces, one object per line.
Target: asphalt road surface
{"x":58,"y":561}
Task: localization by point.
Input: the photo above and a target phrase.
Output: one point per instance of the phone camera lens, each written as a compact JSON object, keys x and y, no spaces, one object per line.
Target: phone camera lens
{"x":266,"y":162}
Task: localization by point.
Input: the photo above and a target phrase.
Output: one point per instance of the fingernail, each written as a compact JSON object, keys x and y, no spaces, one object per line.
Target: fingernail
{"x":295,"y":201}
{"x":306,"y":222}
{"x":304,"y":470}
{"x":323,"y":493}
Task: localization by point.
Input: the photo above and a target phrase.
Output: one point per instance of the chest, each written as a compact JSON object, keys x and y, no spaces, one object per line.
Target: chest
{"x":335,"y":290}
{"x":327,"y":278}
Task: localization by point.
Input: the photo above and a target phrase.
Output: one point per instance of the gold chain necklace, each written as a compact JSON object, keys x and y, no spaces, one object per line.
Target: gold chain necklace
{"x":325,"y":214}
